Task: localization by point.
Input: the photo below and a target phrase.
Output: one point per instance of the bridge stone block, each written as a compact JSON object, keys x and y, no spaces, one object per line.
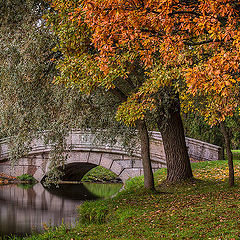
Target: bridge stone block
{"x":31,"y":169}
{"x":137,"y":163}
{"x":23,"y":161}
{"x":69,"y":139}
{"x":40,"y":161}
{"x":3,"y":168}
{"x":156,"y":165}
{"x":116,"y":168}
{"x":129,"y":173}
{"x":106,"y":161}
{"x":4,"y":148}
{"x":38,"y":175}
{"x":134,"y":172}
{"x":157,"y":147}
{"x":125,"y":163}
{"x":94,"y":158}
{"x":15,"y":171}
{"x":130,"y":163}
{"x":77,"y":157}
{"x":75,"y":138}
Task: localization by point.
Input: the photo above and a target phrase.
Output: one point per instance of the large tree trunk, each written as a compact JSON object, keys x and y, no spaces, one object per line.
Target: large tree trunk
{"x":177,"y":159}
{"x":229,"y":153}
{"x":145,"y":153}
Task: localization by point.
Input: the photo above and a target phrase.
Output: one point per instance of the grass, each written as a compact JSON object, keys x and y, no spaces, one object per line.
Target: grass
{"x":99,"y":173}
{"x":236,"y":154}
{"x":202,"y":209}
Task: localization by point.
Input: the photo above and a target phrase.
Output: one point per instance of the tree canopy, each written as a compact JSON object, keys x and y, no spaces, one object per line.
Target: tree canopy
{"x":185,"y":44}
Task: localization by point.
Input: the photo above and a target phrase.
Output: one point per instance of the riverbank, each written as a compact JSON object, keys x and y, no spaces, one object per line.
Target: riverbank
{"x":202,"y":209}
{"x":23,"y":179}
{"x":96,"y":175}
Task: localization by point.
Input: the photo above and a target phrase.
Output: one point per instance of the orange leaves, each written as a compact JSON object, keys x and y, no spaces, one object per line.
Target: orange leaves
{"x":126,"y":24}
{"x":214,"y":84}
{"x":168,"y":39}
{"x":144,"y":27}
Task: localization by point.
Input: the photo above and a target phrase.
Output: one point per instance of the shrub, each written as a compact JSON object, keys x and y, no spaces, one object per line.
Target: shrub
{"x":27,"y":177}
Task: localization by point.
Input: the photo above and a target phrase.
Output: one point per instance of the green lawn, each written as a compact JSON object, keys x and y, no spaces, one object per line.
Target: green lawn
{"x":99,"y":173}
{"x":236,"y":154}
{"x":203,"y":209}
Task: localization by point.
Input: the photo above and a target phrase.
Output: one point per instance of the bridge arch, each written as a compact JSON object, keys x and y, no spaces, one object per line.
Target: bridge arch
{"x":79,"y":163}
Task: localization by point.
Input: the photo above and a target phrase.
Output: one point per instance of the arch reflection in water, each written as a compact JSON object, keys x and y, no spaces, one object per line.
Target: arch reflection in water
{"x":23,"y":210}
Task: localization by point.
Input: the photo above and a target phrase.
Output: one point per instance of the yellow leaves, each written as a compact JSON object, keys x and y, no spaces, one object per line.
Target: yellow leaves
{"x":213,"y":88}
{"x":134,"y":109}
{"x":215,"y":173}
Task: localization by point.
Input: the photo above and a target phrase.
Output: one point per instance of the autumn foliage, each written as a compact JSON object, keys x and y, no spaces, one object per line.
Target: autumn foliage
{"x":192,"y":45}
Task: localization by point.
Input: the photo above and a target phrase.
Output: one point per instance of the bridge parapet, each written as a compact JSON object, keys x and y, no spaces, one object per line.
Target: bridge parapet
{"x":197,"y":150}
{"x":82,"y":141}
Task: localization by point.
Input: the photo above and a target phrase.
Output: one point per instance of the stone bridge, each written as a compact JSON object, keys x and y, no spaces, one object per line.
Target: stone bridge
{"x":86,"y":153}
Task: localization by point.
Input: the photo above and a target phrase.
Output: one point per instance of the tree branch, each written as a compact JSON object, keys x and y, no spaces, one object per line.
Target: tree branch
{"x":119,"y":94}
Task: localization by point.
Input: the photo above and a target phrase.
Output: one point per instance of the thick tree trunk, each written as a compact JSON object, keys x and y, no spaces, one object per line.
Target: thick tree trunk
{"x":177,"y":159}
{"x":145,"y":153}
{"x":229,"y":153}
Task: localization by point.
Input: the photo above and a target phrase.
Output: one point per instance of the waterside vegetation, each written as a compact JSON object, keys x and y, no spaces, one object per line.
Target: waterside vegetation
{"x":99,"y":174}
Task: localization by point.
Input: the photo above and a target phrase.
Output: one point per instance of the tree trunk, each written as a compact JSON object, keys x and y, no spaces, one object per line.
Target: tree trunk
{"x":145,"y":153}
{"x":145,"y":145}
{"x":177,"y":159}
{"x":229,"y":153}
{"x":222,"y":152}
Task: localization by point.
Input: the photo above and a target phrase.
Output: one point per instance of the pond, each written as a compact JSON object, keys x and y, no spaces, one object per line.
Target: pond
{"x":25,"y":210}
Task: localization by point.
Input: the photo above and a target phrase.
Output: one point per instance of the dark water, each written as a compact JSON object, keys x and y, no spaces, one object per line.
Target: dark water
{"x":25,"y":210}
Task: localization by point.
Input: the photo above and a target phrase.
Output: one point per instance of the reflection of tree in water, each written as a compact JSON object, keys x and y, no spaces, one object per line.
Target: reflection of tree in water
{"x":103,"y":190}
{"x":85,"y":191}
{"x":72,"y":191}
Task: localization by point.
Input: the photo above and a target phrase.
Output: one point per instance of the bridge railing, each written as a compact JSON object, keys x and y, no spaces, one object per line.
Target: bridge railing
{"x":78,"y":140}
{"x":197,"y":150}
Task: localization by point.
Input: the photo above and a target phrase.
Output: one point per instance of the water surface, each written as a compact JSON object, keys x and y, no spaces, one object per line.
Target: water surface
{"x":25,"y":210}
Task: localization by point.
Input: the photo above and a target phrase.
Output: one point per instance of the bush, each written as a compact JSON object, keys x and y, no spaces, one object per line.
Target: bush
{"x":27,"y":177}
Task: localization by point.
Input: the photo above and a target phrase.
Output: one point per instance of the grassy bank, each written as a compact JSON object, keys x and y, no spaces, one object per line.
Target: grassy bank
{"x":203,"y":209}
{"x":99,"y":174}
{"x":236,"y":154}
